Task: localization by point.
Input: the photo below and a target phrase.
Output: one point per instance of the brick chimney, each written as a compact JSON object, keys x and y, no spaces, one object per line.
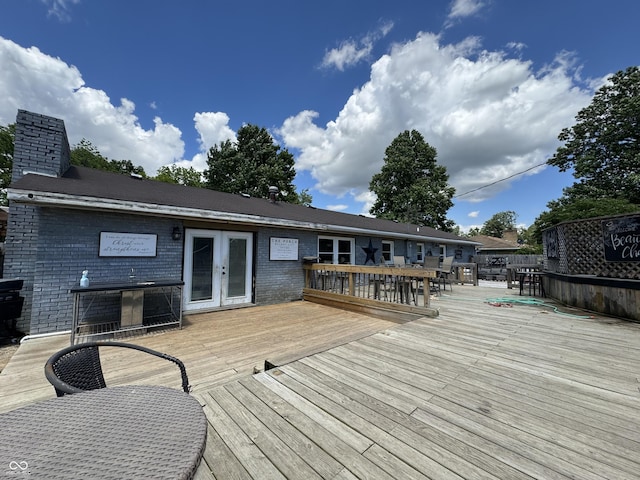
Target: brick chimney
{"x":510,"y":236}
{"x":41,"y":146}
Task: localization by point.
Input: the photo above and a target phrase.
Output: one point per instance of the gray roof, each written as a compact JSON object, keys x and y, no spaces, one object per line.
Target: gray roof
{"x":101,"y":185}
{"x":495,"y":243}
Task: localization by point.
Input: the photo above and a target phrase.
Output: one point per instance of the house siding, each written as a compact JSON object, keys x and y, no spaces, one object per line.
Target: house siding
{"x":48,"y":247}
{"x":40,"y":145}
{"x":21,"y":246}
{"x":278,"y":281}
{"x":64,"y":252}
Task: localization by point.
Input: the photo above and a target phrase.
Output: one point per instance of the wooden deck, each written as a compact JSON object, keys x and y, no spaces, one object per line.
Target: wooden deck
{"x":482,"y":391}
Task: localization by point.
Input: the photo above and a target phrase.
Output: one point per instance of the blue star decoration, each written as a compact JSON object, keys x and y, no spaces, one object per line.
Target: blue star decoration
{"x":371,"y":253}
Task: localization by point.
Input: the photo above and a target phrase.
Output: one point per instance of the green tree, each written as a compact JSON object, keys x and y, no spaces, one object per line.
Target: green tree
{"x":126,"y":167}
{"x":7,"y":137}
{"x":85,"y":154}
{"x":499,"y":223}
{"x":251,"y":165}
{"x":566,"y":209}
{"x":180,"y":175}
{"x":531,"y":244}
{"x":603,"y":147}
{"x":412,"y":187}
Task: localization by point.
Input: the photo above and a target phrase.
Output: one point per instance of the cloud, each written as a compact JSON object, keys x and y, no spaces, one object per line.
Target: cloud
{"x":32,"y":80}
{"x":338,"y":207}
{"x":489,"y":117}
{"x":351,"y":52}
{"x":473,"y":214}
{"x":462,"y":9}
{"x":60,"y":8}
{"x":213,"y":128}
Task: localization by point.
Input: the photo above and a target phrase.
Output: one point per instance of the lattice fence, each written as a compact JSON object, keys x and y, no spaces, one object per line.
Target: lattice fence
{"x":578,"y":248}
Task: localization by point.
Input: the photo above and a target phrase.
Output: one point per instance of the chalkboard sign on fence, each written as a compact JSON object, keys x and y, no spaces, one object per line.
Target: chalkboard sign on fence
{"x":621,"y":239}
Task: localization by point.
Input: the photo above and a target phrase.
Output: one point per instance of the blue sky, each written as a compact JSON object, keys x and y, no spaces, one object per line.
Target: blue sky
{"x":489,"y":83}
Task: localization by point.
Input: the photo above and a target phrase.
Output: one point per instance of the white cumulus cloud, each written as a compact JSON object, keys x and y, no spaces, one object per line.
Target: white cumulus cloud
{"x":32,"y":80}
{"x":488,"y":116}
{"x":213,"y":128}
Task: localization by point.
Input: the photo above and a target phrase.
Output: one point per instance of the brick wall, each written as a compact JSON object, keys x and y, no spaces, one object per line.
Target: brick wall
{"x":69,"y":244}
{"x":20,"y":254}
{"x":279,"y":281}
{"x":41,"y":145}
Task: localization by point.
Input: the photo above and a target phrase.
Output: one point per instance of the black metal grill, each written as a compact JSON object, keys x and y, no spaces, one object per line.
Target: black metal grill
{"x":10,"y":307}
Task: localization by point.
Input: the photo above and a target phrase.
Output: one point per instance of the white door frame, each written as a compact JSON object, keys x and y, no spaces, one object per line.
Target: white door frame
{"x":219,"y":277}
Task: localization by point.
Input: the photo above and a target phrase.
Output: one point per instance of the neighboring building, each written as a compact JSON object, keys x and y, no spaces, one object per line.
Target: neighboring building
{"x":228,"y":249}
{"x":507,"y":245}
{"x":493,"y":254}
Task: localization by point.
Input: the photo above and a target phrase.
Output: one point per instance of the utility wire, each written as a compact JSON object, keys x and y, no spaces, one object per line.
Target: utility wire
{"x":498,"y":181}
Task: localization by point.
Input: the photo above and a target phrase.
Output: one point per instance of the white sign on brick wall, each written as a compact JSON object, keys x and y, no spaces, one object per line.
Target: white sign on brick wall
{"x":114,"y":244}
{"x":283,"y":248}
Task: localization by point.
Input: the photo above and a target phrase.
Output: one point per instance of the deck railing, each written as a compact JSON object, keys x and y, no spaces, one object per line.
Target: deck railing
{"x":399,"y":285}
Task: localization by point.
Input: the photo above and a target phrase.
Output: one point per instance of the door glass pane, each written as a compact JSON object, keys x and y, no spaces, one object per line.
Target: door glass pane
{"x":237,"y":271}
{"x":202,"y":271}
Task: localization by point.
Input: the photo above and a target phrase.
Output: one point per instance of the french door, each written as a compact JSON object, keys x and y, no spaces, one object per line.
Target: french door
{"x":217,"y":268}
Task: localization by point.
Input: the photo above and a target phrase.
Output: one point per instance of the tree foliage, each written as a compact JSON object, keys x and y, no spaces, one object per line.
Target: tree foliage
{"x":85,"y":154}
{"x":411,"y":187}
{"x":180,"y":175}
{"x":7,"y":137}
{"x":565,"y":209}
{"x":499,"y":223}
{"x":603,"y":147}
{"x":251,"y":165}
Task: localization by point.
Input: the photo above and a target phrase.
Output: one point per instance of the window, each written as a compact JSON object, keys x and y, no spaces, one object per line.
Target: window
{"x":335,"y":250}
{"x":419,"y":252}
{"x":387,"y":251}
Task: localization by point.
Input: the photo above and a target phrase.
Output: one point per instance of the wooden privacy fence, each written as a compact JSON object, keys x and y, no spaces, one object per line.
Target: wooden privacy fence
{"x":504,"y":260}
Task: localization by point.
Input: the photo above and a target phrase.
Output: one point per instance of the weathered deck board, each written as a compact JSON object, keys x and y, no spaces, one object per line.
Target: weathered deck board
{"x":482,"y":391}
{"x":215,"y":347}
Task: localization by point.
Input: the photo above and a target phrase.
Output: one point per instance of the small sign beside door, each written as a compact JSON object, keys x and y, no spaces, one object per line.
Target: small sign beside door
{"x":283,"y":248}
{"x":114,"y":244}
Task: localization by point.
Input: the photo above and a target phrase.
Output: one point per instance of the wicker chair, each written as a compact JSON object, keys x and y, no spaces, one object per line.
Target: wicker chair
{"x":77,"y":368}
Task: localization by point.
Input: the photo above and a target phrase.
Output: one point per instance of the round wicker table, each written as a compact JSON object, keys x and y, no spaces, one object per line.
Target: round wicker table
{"x":122,"y":432}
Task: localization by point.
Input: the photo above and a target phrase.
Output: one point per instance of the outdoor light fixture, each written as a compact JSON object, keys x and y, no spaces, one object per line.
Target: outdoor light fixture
{"x":176,"y":234}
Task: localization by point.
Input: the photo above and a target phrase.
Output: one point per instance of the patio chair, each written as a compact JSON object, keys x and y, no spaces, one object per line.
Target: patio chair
{"x":399,"y":261}
{"x":78,"y":368}
{"x":445,"y":270}
{"x":433,"y":263}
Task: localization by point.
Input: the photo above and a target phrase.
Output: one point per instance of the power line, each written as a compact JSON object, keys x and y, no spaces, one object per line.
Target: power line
{"x":498,"y":181}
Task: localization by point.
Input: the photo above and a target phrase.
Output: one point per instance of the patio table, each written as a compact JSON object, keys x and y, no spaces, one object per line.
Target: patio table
{"x":533,"y":279}
{"x":119,"y":432}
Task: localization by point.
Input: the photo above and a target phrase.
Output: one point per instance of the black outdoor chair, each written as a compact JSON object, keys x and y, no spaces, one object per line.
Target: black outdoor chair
{"x":77,"y":368}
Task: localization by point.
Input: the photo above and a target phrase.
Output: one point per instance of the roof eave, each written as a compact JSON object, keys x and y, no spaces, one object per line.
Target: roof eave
{"x":97,"y":203}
